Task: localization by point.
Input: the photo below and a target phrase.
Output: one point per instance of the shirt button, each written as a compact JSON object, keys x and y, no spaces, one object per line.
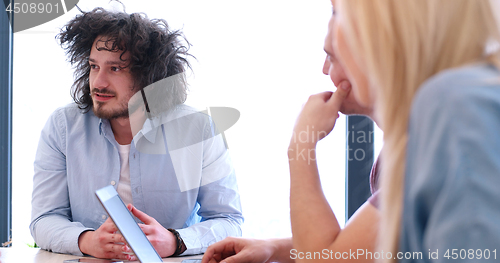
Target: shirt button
{"x":113,"y":182}
{"x":103,"y":216}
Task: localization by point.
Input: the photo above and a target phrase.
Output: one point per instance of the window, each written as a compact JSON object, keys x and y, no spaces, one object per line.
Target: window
{"x":5,"y":127}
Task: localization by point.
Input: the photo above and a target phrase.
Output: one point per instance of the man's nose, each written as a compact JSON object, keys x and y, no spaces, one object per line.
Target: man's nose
{"x":100,"y":80}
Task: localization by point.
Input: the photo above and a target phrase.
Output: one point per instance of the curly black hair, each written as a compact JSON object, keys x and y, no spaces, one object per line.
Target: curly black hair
{"x":156,"y":52}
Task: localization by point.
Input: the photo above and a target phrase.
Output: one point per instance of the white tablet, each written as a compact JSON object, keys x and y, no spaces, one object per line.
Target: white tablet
{"x":125,"y":222}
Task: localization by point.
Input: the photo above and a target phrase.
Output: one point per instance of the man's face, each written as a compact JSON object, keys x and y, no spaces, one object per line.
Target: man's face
{"x":111,"y":83}
{"x":334,"y":69}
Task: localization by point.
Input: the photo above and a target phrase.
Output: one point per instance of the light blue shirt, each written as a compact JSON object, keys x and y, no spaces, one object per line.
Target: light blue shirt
{"x":452,"y":183}
{"x":78,"y":154}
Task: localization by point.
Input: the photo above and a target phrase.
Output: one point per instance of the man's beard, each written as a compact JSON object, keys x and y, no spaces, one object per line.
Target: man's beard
{"x":120,"y":112}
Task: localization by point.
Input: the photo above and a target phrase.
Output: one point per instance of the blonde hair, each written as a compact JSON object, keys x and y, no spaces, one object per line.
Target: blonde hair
{"x":401,"y":44}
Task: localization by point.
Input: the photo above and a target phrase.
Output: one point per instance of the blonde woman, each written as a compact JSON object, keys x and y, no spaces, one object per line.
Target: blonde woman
{"x":316,"y":232}
{"x":430,"y":69}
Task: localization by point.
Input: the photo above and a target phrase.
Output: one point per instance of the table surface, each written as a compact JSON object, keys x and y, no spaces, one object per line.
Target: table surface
{"x":36,"y":255}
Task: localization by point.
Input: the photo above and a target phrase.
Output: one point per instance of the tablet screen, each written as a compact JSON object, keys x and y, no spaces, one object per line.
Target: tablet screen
{"x":125,"y":222}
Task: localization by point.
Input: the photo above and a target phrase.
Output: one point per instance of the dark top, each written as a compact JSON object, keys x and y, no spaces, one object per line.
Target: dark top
{"x":374,"y":187}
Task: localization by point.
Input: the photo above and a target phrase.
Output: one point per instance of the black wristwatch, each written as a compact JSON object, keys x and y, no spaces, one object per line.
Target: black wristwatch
{"x":180,"y":247}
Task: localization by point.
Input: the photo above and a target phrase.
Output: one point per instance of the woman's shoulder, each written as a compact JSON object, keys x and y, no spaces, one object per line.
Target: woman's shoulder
{"x":457,"y":89}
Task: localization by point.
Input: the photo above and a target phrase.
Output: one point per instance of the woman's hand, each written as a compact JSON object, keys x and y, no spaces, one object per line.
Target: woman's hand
{"x":318,"y":117}
{"x":245,"y":250}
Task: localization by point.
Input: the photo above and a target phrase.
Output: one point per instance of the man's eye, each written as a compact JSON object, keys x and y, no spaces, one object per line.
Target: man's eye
{"x":93,"y":66}
{"x":115,"y":69}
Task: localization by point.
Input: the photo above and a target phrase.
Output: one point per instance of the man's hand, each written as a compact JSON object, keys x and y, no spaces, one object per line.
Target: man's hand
{"x":162,"y":240}
{"x":103,"y":242}
{"x":234,"y":250}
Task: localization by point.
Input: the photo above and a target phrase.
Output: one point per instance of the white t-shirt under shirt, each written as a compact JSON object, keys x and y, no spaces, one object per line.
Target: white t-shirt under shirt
{"x":124,"y":190}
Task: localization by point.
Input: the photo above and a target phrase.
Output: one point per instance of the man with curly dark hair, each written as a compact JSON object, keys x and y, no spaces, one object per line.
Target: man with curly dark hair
{"x":92,"y":143}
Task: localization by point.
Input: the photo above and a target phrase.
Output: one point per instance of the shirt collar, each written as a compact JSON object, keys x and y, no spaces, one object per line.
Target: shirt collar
{"x":148,"y":131}
{"x":101,"y":130}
